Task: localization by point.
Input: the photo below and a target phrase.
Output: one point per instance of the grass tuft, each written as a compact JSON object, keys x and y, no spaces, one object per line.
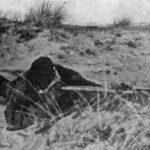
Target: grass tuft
{"x":46,"y":15}
{"x":123,"y":22}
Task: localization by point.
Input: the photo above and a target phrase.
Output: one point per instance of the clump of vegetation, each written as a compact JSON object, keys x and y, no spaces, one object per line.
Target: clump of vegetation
{"x":118,"y":34}
{"x":46,"y":15}
{"x":123,"y":22}
{"x":98,"y":43}
{"x":90,"y":52}
{"x":131,"y":44}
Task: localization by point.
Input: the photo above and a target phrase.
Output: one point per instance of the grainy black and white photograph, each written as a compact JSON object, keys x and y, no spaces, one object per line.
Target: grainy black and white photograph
{"x":74,"y":74}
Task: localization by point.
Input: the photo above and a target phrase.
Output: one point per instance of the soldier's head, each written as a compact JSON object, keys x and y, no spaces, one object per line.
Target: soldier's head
{"x":19,"y":112}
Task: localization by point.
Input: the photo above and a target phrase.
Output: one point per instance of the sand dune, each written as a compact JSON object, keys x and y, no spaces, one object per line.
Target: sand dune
{"x":97,"y":12}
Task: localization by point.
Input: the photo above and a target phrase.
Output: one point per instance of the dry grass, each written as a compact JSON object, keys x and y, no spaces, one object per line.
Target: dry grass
{"x":45,"y":14}
{"x":123,"y":22}
{"x":115,"y":121}
{"x":123,"y":128}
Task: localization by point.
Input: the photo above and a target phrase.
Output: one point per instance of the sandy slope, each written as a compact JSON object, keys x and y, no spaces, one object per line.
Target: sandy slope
{"x":118,"y":55}
{"x":113,"y":56}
